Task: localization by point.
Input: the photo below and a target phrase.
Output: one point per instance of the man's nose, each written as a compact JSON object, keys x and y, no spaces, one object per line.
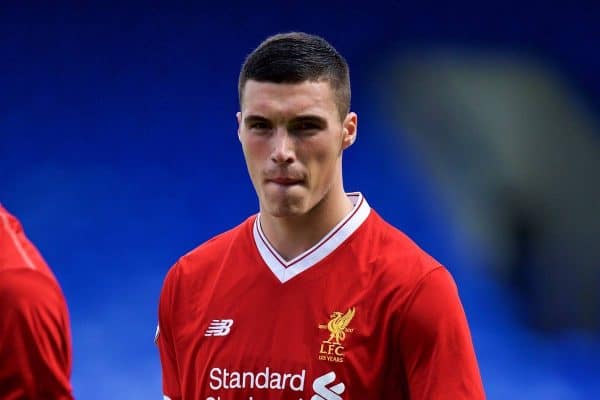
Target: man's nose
{"x":283,"y":147}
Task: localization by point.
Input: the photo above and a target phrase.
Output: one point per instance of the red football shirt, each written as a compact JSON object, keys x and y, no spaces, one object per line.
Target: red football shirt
{"x":35,"y":342}
{"x":363,"y":314}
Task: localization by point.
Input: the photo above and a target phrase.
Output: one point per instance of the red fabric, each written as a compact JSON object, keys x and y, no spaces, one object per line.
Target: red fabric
{"x":35,"y":342}
{"x":408,"y":337}
{"x":435,"y":342}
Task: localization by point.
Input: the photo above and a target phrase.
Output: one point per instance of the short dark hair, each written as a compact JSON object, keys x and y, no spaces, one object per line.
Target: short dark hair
{"x":296,"y":57}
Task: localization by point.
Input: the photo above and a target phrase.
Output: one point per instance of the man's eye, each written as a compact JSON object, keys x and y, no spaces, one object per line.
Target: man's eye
{"x":306,"y":127}
{"x":259,"y":125}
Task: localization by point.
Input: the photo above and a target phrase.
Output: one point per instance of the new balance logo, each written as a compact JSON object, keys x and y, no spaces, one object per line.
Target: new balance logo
{"x":219,"y":327}
{"x":327,"y":393}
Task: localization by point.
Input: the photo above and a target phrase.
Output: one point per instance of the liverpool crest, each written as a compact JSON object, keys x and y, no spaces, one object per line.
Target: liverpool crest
{"x":332,"y":348}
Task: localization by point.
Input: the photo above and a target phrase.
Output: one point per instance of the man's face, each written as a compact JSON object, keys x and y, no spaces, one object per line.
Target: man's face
{"x":292,"y":139}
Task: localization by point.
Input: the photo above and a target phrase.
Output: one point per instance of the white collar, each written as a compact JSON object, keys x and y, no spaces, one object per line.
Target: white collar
{"x":286,"y":270}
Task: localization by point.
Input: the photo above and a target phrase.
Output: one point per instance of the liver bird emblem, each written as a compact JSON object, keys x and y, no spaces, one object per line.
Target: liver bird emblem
{"x":338,"y":325}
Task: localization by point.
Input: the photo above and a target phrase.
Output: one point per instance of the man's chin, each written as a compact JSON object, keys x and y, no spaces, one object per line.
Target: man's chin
{"x":284,"y":211}
{"x":284,"y":208}
{"x":284,"y":203}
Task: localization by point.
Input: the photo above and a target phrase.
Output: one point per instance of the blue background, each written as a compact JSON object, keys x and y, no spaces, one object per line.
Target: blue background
{"x":118,"y":152}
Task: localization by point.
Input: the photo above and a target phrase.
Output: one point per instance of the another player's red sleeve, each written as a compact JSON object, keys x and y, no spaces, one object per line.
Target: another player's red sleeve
{"x":35,"y":341}
{"x":164,"y":340}
{"x":436,"y":345}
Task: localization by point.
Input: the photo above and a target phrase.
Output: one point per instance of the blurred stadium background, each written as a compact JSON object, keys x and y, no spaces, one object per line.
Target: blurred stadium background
{"x":479,"y":137}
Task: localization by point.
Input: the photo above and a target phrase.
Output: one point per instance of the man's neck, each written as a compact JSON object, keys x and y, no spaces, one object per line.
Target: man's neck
{"x":291,"y":236}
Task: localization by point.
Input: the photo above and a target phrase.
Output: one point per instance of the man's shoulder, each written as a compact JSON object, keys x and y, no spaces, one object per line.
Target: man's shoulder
{"x":398,"y":255}
{"x":22,"y":289}
{"x":214,"y":248}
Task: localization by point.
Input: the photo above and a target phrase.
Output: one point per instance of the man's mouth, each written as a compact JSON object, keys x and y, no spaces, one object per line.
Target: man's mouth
{"x":285,"y":181}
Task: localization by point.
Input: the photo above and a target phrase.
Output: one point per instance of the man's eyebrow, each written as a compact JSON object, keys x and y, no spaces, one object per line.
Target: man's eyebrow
{"x":309,"y":118}
{"x":300,"y":118}
{"x":254,"y":118}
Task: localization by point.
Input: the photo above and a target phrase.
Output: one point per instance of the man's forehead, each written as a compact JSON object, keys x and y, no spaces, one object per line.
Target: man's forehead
{"x":298,"y":97}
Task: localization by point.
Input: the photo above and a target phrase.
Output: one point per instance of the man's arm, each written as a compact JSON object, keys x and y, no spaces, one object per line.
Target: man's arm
{"x":435,"y":342}
{"x":35,"y":341}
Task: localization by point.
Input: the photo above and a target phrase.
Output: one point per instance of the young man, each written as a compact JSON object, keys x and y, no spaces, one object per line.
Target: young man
{"x":315,"y":297}
{"x":35,"y":338}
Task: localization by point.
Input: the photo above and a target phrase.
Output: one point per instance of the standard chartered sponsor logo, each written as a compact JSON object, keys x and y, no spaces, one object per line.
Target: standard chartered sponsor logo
{"x":323,"y":387}
{"x":221,"y":378}
{"x":323,"y":392}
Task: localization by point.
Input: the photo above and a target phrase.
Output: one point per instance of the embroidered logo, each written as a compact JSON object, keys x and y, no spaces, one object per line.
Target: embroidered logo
{"x":332,"y":348}
{"x":219,"y":327}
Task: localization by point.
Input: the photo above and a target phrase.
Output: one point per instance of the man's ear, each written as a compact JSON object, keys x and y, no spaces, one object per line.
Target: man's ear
{"x":349,"y":130}
{"x":238,"y":116}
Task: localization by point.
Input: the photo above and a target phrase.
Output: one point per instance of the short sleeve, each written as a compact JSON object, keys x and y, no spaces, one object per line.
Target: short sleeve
{"x":165,"y":340}
{"x":435,"y":342}
{"x":35,"y":340}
